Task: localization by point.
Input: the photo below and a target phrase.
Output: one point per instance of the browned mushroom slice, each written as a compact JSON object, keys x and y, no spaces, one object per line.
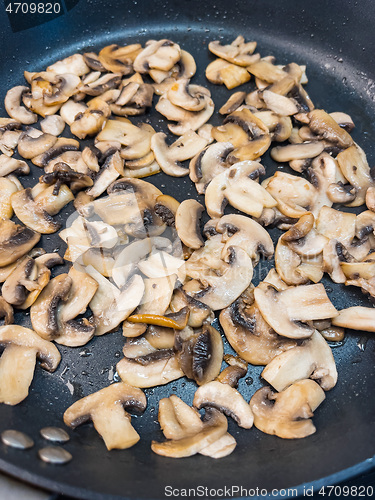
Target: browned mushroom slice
{"x":356,"y":318}
{"x":287,"y":414}
{"x":243,"y":232}
{"x":266,"y":71}
{"x":370,"y":198}
{"x":312,"y":359}
{"x":187,"y":223}
{"x":223,"y":72}
{"x":236,"y":186}
{"x":236,"y":370}
{"x":14,"y":107}
{"x":200,"y":353}
{"x":160,"y":368}
{"x":15,"y":241}
{"x":29,"y":147}
{"x":288,"y":311}
{"x":280,"y":127}
{"x":184,"y":148}
{"x":119,"y":59}
{"x":160,"y":55}
{"x":6,"y":312}
{"x":234,"y":101}
{"x":199,"y":313}
{"x":295,"y":196}
{"x":101,"y":85}
{"x":62,"y":145}
{"x":238,"y":52}
{"x":226,"y":399}
{"x":215,"y":427}
{"x":91,"y":121}
{"x":186,"y":120}
{"x":17,"y":363}
{"x":133,"y":101}
{"x":301,"y":151}
{"x":209,"y":163}
{"x":106,"y":408}
{"x":354,"y":167}
{"x":322,"y":124}
{"x":250,"y":336}
{"x":166,"y":207}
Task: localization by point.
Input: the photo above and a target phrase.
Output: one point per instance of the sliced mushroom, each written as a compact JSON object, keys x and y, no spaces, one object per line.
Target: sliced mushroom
{"x":177,"y":419}
{"x":288,"y":311}
{"x":169,"y":157}
{"x":105,"y":82}
{"x":7,"y":188}
{"x":287,"y":414}
{"x":17,"y":363}
{"x":200,"y":353}
{"x":209,"y":163}
{"x":250,"y":336}
{"x":15,"y":241}
{"x":106,"y":409}
{"x":238,"y":52}
{"x":187,"y":96}
{"x":119,"y":59}
{"x":235,"y":186}
{"x":74,"y":64}
{"x":243,"y":232}
{"x":62,"y":145}
{"x":226,"y":399}
{"x":15,"y":109}
{"x":91,"y":121}
{"x":187,"y":223}
{"x":312,"y":359}
{"x":224,"y":72}
{"x":234,"y":102}
{"x":356,"y":318}
{"x":160,"y":55}
{"x":24,"y":280}
{"x":322,"y":124}
{"x":6,"y":312}
{"x":12,"y":165}
{"x":186,"y":120}
{"x":301,"y":151}
{"x":52,"y":125}
{"x":160,"y":369}
{"x":280,"y":127}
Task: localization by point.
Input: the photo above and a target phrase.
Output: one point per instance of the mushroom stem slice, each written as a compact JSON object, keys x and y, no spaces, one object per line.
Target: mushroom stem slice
{"x":356,"y":318}
{"x":221,"y":448}
{"x":287,"y":413}
{"x":17,"y":365}
{"x":117,"y":431}
{"x":216,"y":427}
{"x":177,"y":419}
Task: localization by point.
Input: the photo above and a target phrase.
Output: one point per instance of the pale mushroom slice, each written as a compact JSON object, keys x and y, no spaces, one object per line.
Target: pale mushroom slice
{"x":92,"y":120}
{"x":15,"y":109}
{"x":187,"y":220}
{"x":209,"y":163}
{"x":53,"y":124}
{"x":110,"y":305}
{"x":184,"y":148}
{"x":226,"y":399}
{"x":186,"y":120}
{"x":250,"y":336}
{"x":187,"y":96}
{"x":215,"y":427}
{"x":293,"y":152}
{"x":112,"y":168}
{"x":336,"y":225}
{"x":29,"y":147}
{"x":159,"y":368}
{"x":177,"y":419}
{"x":7,"y":188}
{"x":15,"y":241}
{"x":234,"y":102}
{"x":160,"y":55}
{"x":280,"y":127}
{"x":200,"y":353}
{"x":289,"y":311}
{"x":235,"y":186}
{"x":12,"y":166}
{"x":107,"y":411}
{"x":61,"y":146}
{"x":17,"y":363}
{"x":287,"y":414}
{"x":6,"y":312}
{"x":243,"y":232}
{"x":312,"y":359}
{"x":356,"y":318}
{"x":354,"y":167}
{"x":74,"y":64}
{"x":220,"y":288}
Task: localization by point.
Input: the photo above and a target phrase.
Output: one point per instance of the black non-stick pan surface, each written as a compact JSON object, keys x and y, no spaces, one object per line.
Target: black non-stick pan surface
{"x":336,"y":41}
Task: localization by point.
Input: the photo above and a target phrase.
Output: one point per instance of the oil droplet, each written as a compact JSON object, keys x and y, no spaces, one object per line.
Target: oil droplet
{"x":249,"y":380}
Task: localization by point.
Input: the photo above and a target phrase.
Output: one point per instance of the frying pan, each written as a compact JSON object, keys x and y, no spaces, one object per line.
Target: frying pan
{"x":335,"y":39}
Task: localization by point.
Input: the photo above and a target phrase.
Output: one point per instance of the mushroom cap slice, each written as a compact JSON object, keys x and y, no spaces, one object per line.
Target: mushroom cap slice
{"x":177,"y":419}
{"x":287,"y":414}
{"x":83,"y":288}
{"x":250,"y":336}
{"x":15,"y":109}
{"x":159,"y":370}
{"x":356,"y":318}
{"x":312,"y":359}
{"x":235,"y":186}
{"x":186,"y":96}
{"x":15,"y":241}
{"x":12,"y":165}
{"x":226,"y":399}
{"x":160,"y":55}
{"x":6,"y":311}
{"x":215,"y":427}
{"x":234,"y":277}
{"x":243,"y":232}
{"x":187,"y":223}
{"x":32,"y":214}
{"x":106,"y":410}
{"x":17,"y":363}
{"x":287,"y":310}
{"x":119,"y":59}
{"x":169,"y":157}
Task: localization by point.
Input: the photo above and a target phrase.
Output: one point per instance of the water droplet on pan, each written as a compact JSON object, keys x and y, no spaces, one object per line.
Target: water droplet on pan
{"x":54,"y":455}
{"x":17,"y":439}
{"x":54,"y":434}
